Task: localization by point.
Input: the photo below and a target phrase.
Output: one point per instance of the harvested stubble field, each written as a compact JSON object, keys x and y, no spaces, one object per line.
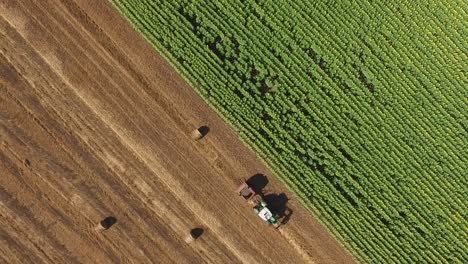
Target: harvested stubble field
{"x":94,"y":123}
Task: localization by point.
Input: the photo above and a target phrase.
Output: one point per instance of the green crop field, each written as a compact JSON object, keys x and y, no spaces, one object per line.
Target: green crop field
{"x":360,"y":107}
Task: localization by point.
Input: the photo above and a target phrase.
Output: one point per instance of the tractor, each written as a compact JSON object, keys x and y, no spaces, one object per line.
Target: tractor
{"x":260,"y":207}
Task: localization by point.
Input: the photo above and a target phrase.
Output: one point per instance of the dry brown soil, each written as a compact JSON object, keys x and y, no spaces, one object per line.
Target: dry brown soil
{"x":94,"y":123}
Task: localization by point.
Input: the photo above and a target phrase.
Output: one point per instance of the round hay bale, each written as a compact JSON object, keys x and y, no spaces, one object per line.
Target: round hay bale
{"x":99,"y":228}
{"x":194,"y":234}
{"x":106,"y":223}
{"x":196,"y":135}
{"x":189,"y":239}
{"x":200,"y":132}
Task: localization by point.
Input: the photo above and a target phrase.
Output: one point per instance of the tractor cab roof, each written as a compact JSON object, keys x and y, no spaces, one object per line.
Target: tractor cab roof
{"x":265,"y":214}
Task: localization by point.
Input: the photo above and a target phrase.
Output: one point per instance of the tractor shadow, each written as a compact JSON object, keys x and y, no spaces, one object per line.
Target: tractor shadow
{"x":278,"y":205}
{"x":258,"y":182}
